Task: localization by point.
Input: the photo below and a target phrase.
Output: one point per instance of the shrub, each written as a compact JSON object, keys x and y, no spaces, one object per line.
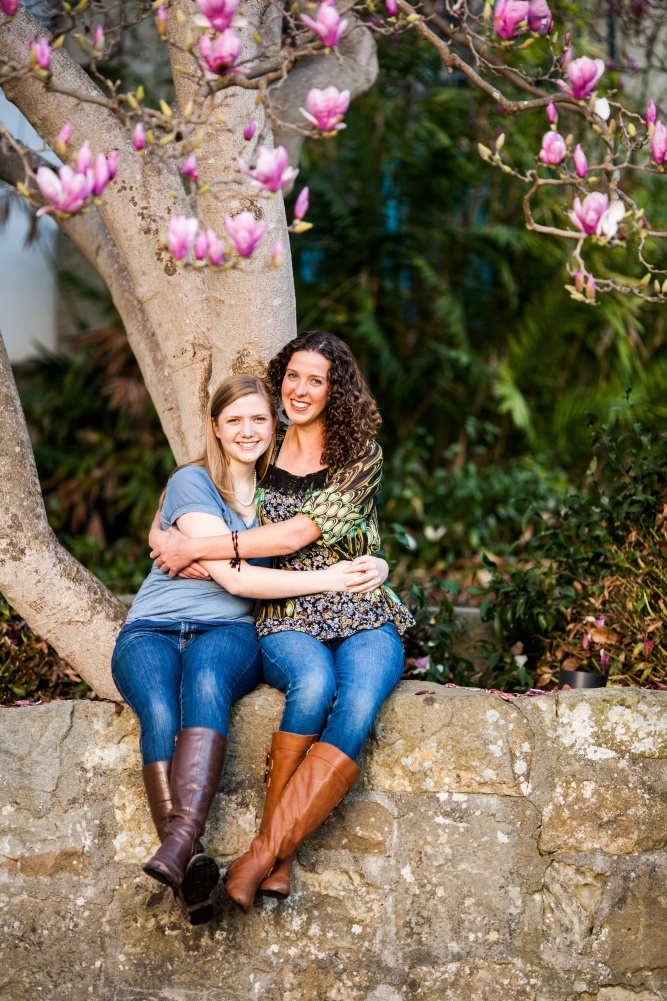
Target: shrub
{"x":590,"y":586}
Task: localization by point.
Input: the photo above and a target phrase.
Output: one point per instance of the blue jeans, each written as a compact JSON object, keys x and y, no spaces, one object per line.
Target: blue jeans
{"x":333,"y":688}
{"x":180,"y":674}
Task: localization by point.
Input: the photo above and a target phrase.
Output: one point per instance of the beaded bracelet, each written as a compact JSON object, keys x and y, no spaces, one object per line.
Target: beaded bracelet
{"x":235,"y":564}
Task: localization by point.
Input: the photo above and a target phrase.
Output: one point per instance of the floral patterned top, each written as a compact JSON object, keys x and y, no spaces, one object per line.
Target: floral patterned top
{"x":341,"y":502}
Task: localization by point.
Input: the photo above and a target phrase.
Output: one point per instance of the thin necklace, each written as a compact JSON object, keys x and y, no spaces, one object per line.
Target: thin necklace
{"x":252,"y":499}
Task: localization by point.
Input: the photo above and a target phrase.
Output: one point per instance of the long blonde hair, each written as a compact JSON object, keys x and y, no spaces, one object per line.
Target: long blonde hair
{"x":214,"y":459}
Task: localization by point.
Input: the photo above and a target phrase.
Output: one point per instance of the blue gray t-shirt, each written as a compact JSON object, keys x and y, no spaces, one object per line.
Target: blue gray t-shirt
{"x":164,"y":598}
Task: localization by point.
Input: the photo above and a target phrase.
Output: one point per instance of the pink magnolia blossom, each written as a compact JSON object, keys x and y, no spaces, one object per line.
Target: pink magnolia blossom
{"x":540,"y":19}
{"x":328,"y":25}
{"x":9,"y":7}
{"x":586,"y":215}
{"x":40,"y":53}
{"x":648,"y":646}
{"x":67,"y":191}
{"x":604,"y":661}
{"x":301,"y":204}
{"x":392,"y":7}
{"x":245,"y":232}
{"x":112,"y":163}
{"x":659,"y":143}
{"x":272,"y":171}
{"x":65,"y":133}
{"x":595,"y":216}
{"x":422,"y":663}
{"x":583,"y":74}
{"x":586,"y":641}
{"x":201,"y":246}
{"x":84,"y":160}
{"x":608,"y":225}
{"x":218,"y":13}
{"x":216,"y":249}
{"x":98,"y":39}
{"x":326,"y":108}
{"x":507,"y":17}
{"x":552,"y":114}
{"x":190,"y":169}
{"x":101,"y":176}
{"x":221,"y":54}
{"x":181,"y":235}
{"x":553,"y":149}
{"x":161,"y":22}
{"x":566,"y":58}
{"x":590,"y":287}
{"x":651,"y":113}
{"x":277,"y":254}
{"x":139,"y":136}
{"x":249,"y":130}
{"x":580,"y":162}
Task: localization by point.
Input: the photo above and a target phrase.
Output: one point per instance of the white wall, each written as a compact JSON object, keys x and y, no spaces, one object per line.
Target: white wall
{"x":27,"y":274}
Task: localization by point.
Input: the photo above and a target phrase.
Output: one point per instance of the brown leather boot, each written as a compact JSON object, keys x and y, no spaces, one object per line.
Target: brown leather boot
{"x":322,"y":780}
{"x":199,"y":756}
{"x":287,"y":752}
{"x":158,"y":794}
{"x":202,"y":873}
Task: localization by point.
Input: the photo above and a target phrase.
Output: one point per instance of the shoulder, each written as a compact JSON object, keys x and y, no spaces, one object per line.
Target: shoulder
{"x":190,"y":479}
{"x":192,"y":489}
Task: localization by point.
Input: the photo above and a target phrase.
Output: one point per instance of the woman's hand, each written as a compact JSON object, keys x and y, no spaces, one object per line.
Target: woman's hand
{"x":365,"y":574}
{"x":173,"y":552}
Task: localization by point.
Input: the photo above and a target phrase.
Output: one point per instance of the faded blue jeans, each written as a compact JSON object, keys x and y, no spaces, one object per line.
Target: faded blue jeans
{"x":333,"y":688}
{"x":180,"y":674}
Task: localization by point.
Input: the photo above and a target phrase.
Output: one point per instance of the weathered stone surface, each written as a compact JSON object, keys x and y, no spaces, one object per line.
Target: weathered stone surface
{"x":450,"y":740}
{"x":492,"y":852}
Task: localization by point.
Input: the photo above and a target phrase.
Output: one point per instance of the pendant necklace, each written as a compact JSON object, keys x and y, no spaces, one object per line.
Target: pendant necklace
{"x":252,"y":499}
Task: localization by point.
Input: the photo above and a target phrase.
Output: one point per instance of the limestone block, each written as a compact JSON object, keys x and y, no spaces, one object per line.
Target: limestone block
{"x":583,"y":816}
{"x":571,"y":898}
{"x":626,"y":994}
{"x":449,"y":740}
{"x":632,"y":934}
{"x":609,"y":723}
{"x":465,"y":865}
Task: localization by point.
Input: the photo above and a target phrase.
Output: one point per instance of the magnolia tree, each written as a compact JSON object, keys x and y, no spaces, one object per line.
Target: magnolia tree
{"x":180,"y":206}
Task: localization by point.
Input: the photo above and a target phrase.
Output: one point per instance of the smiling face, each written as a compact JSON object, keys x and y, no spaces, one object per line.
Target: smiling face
{"x":305,"y":387}
{"x":244,"y":428}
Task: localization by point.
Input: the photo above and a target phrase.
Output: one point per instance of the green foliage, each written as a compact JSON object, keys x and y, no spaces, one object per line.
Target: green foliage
{"x":429,"y":645}
{"x":421,"y":261}
{"x":30,"y":669}
{"x":590,"y":586}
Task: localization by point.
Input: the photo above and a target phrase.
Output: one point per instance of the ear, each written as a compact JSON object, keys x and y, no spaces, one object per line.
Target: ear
{"x":215,"y":428}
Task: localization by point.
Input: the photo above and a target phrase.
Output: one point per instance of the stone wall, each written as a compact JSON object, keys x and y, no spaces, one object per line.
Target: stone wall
{"x":493,"y":851}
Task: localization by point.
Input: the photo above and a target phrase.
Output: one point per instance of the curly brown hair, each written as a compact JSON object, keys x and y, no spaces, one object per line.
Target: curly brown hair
{"x":351,"y":416}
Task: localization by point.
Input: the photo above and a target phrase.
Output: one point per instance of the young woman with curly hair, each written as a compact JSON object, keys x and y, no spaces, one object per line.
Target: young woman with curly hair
{"x":337,"y":656}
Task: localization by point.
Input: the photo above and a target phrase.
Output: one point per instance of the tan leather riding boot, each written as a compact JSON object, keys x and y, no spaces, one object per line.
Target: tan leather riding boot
{"x":287,"y":752}
{"x":199,"y":755}
{"x":322,"y":780}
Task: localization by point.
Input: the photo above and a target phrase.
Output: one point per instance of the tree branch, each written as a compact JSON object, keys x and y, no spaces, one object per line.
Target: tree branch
{"x":60,"y":599}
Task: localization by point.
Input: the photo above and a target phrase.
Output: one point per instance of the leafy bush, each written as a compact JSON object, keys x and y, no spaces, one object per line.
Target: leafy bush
{"x":590,"y":586}
{"x":29,"y":668}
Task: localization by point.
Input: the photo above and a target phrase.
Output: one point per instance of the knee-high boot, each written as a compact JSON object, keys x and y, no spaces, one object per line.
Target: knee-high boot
{"x":322,"y":780}
{"x":202,"y":873}
{"x":196,"y":768}
{"x":287,"y":752}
